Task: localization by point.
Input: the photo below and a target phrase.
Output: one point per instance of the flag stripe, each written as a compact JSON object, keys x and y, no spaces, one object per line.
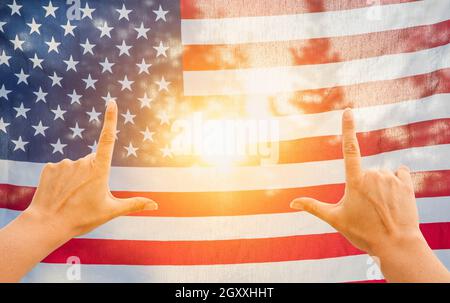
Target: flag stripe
{"x":304,"y":77}
{"x":214,"y":179}
{"x":200,"y":204}
{"x":304,"y":247}
{"x":431,"y":210}
{"x":298,"y":26}
{"x":355,"y":96}
{"x":211,"y":9}
{"x":306,"y":52}
{"x":343,"y":269}
{"x":425,"y":133}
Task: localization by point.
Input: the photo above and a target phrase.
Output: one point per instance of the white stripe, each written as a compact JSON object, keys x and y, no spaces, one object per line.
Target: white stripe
{"x":342,"y":269}
{"x":211,"y":179}
{"x":367,"y":118}
{"x":304,"y":77}
{"x":431,"y":210}
{"x":315,"y":25}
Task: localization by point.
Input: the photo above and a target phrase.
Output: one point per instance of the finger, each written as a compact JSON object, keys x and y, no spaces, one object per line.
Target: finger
{"x":404,"y":174}
{"x":315,"y":207}
{"x":105,"y":146}
{"x":350,"y":147}
{"x":132,"y":205}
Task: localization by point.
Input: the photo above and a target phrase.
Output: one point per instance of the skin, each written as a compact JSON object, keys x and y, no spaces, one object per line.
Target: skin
{"x":378,"y":214}
{"x":72,"y":198}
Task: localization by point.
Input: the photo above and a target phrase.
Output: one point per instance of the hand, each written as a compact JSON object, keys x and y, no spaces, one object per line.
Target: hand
{"x":74,"y":196}
{"x":378,"y":214}
{"x":378,"y":208}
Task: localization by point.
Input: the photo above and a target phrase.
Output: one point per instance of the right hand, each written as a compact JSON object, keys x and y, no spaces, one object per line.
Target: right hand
{"x":378,"y":209}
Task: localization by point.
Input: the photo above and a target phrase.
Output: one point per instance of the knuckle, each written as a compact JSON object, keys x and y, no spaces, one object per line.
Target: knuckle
{"x":48,"y":168}
{"x":107,"y":137}
{"x":351,"y":147}
{"x":65,"y":163}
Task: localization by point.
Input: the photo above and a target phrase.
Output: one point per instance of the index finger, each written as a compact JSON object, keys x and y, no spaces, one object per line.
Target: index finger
{"x":107,"y":139}
{"x":350,"y":147}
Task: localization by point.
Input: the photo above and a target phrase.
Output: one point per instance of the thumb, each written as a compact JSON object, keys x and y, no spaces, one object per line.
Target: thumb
{"x":131,"y":205}
{"x":315,"y":207}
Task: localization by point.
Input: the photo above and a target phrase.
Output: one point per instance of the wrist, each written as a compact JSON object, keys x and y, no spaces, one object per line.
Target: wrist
{"x":406,"y":242}
{"x":47,"y":228}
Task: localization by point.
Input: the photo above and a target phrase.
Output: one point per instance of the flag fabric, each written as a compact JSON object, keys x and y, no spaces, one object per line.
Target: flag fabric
{"x":298,"y":62}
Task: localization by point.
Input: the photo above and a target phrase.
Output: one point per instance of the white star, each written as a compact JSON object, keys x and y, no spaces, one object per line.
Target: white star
{"x":163,"y":84}
{"x":58,"y":147}
{"x":148,"y":135}
{"x":59,"y":113}
{"x":108,"y":98}
{"x":160,"y":14}
{"x":123,"y":12}
{"x":34,"y":27}
{"x":71,"y":64}
{"x":145,"y":101}
{"x":163,"y":118}
{"x":77,"y":131}
{"x":131,"y":150}
{"x":90,"y":82}
{"x":19,"y":144}
{"x":39,"y":129}
{"x":87,"y":47}
{"x":40,"y":95}
{"x":161,"y":49}
{"x":4,"y":59}
{"x":50,"y":10}
{"x":3,"y":125}
{"x":105,"y":30}
{"x":166,"y":151}
{"x":74,"y":97}
{"x":56,"y":80}
{"x":15,"y":8}
{"x":36,"y":61}
{"x":21,"y":111}
{"x":17,"y":43}
{"x":1,"y":26}
{"x":126,"y":84}
{"x":129,"y":118}
{"x":53,"y":45}
{"x":68,"y":28}
{"x":87,"y":11}
{"x":106,"y":66}
{"x":143,"y":67}
{"x":22,"y":77}
{"x":4,"y":92}
{"x":142,"y":31}
{"x":93,"y":147}
{"x":124,"y":49}
{"x":93,"y":115}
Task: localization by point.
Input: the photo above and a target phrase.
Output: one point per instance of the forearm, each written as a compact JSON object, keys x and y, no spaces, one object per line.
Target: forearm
{"x":412,"y":260}
{"x":24,"y":243}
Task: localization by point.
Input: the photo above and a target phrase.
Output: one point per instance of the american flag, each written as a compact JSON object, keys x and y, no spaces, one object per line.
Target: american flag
{"x":298,"y":62}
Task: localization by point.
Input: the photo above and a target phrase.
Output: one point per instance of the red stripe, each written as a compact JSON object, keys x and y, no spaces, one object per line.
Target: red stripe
{"x":305,"y":247}
{"x":427,"y":133}
{"x":427,"y":184}
{"x":328,"y":99}
{"x":204,"y":9}
{"x":315,"y":51}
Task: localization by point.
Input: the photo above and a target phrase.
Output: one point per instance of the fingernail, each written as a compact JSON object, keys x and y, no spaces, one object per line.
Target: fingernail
{"x":111,"y":105}
{"x":296,"y":205}
{"x":348,"y":113}
{"x":151,"y":206}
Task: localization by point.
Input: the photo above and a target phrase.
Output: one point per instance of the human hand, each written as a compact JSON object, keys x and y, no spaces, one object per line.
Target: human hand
{"x":378,"y":210}
{"x":74,"y":197}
